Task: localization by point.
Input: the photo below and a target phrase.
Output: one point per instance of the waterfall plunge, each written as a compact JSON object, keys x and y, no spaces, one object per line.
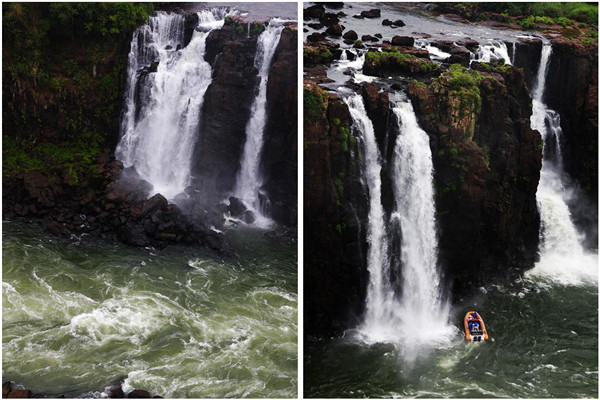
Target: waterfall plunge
{"x":249,"y":179}
{"x":418,"y":316}
{"x":562,"y":257}
{"x":162,"y":111}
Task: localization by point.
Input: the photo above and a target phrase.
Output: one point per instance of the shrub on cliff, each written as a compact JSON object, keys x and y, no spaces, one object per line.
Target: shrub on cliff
{"x":315,"y":102}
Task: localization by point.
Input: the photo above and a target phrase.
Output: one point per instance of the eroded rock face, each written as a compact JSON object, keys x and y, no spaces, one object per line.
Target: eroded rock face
{"x":227,"y":101}
{"x":334,"y":203}
{"x":487,"y":164}
{"x":572,"y":91}
{"x":280,"y":154}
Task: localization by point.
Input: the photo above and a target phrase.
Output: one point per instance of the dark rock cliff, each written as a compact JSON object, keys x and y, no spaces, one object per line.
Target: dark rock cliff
{"x":225,"y":111}
{"x":487,"y":161}
{"x":572,"y":91}
{"x":280,"y":153}
{"x":335,"y":205}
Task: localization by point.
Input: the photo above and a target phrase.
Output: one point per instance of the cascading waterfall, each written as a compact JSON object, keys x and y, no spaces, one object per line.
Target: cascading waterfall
{"x":165,"y":90}
{"x":249,"y":179}
{"x":562,"y":257}
{"x":380,"y":295}
{"x":420,"y":306}
{"x":492,"y":51}
{"x":422,"y":303}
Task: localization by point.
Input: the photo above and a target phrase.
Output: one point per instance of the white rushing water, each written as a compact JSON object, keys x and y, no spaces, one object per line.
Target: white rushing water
{"x":249,"y":178}
{"x":162,"y":111}
{"x":422,"y":304}
{"x":417,"y":315}
{"x":380,"y":295}
{"x":492,"y":51}
{"x":562,"y":257}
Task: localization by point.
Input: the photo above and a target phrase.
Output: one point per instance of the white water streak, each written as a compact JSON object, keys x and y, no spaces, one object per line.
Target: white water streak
{"x":388,"y":317}
{"x":562,"y":257}
{"x":422,"y":304}
{"x":380,"y":296}
{"x":492,"y":51}
{"x":249,"y":178}
{"x":160,"y":139}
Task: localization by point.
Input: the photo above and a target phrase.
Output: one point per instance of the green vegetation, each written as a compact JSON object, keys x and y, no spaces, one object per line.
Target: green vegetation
{"x":578,"y":11}
{"x":463,"y":84}
{"x":344,"y":137}
{"x":64,"y":75}
{"x":315,"y":102}
{"x":384,"y":57}
{"x":78,"y":158}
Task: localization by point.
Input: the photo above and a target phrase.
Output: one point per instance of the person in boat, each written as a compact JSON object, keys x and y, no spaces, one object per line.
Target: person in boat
{"x":473,"y":318}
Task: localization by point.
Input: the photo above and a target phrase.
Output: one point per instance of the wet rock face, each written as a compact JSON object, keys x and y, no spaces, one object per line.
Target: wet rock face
{"x":280,"y":154}
{"x":572,"y":91}
{"x":227,"y":101}
{"x":527,"y":56}
{"x":486,"y":172}
{"x":334,"y":203}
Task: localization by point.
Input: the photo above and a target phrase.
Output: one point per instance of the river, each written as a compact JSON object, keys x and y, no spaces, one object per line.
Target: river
{"x":543,"y":343}
{"x":181,"y":322}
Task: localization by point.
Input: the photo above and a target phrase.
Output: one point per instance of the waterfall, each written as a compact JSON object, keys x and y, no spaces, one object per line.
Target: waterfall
{"x":562,"y":257}
{"x":422,"y":303}
{"x":414,"y":314}
{"x":380,"y":296}
{"x":492,"y":51}
{"x":249,"y":179}
{"x":165,"y":90}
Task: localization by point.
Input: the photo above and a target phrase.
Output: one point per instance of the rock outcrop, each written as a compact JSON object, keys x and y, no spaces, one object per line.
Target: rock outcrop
{"x":335,"y":275}
{"x":487,"y":162}
{"x":572,"y":91}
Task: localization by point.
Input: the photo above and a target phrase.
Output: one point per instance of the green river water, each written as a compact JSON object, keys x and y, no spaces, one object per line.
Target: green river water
{"x":543,"y":344}
{"x":180,"y":322}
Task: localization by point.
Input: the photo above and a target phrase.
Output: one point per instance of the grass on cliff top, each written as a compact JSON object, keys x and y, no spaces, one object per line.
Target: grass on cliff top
{"x":462,"y":83}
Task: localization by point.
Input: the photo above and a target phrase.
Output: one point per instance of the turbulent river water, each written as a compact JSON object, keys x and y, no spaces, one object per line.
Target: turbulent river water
{"x":543,"y":343}
{"x":179,"y":322}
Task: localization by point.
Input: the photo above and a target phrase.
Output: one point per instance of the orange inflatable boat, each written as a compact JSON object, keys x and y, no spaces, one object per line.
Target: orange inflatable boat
{"x":474,"y":327}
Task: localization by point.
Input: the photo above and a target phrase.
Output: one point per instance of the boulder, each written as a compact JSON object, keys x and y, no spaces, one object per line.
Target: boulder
{"x":315,"y":11}
{"x":139,"y":394}
{"x":403,"y":41}
{"x":335,"y":30}
{"x":369,"y":38}
{"x":372,"y":13}
{"x":350,"y":35}
{"x":329,"y":19}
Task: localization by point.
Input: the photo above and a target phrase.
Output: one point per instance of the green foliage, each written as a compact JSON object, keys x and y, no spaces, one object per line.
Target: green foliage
{"x":384,"y":57}
{"x":418,"y":84}
{"x":564,"y":21}
{"x":544,"y":20}
{"x":315,"y":102}
{"x":427,"y":66}
{"x":486,"y":156}
{"x":336,"y":121}
{"x":78,"y":157}
{"x":527,"y":23}
{"x":256,"y":29}
{"x":588,"y":41}
{"x":578,"y":11}
{"x":358,"y":43}
{"x":463,"y":84}
{"x":339,"y":185}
